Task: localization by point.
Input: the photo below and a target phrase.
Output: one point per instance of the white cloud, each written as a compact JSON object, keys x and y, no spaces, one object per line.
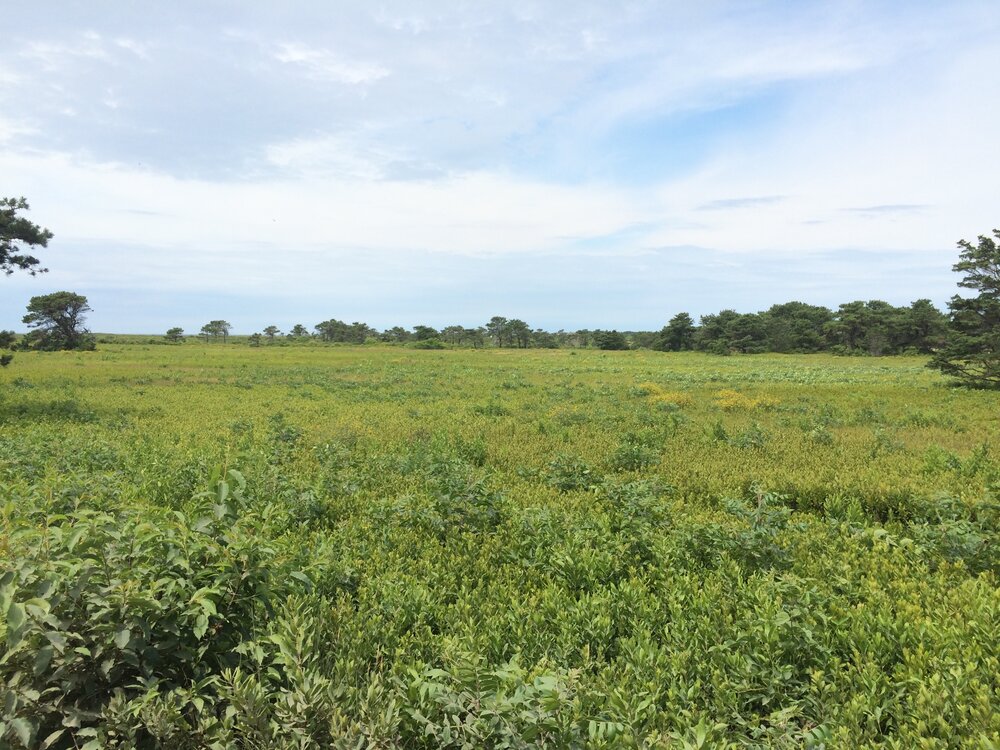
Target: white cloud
{"x":138,"y":49}
{"x":11,"y":129}
{"x":54,"y":55}
{"x":325,"y":65}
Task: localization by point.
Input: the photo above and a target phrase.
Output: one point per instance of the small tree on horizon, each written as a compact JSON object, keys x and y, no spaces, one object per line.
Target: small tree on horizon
{"x":677,"y":335}
{"x":499,"y":329}
{"x":424,"y":333}
{"x":174,"y":335}
{"x":610,"y":340}
{"x":57,"y":321}
{"x":215,"y":329}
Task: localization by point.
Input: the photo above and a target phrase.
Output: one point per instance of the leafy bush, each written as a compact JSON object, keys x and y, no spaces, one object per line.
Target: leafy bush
{"x":567,"y":473}
{"x":463,"y":501}
{"x":103,"y":608}
{"x":633,"y":454}
{"x":431,"y":343}
{"x":467,"y":704}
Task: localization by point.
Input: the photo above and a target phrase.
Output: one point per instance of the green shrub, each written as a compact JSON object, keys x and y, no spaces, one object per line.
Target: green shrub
{"x":567,"y":473}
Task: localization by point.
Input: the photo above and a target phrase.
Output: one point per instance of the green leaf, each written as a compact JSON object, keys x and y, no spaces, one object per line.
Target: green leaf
{"x":24,"y":730}
{"x":56,"y":639}
{"x":122,"y":637}
{"x":37,"y":607}
{"x":15,"y":616}
{"x":45,"y":588}
{"x":47,"y":742}
{"x":42,"y":659}
{"x":75,"y":537}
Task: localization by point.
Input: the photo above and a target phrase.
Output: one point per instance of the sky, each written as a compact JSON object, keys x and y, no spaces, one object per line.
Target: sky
{"x":575,"y":165}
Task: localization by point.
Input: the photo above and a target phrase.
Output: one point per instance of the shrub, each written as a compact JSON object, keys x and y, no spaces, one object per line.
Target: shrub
{"x":106,"y":609}
{"x":567,"y":473}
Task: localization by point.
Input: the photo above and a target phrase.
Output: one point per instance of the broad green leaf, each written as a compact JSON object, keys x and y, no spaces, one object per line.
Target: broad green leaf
{"x":200,"y":626}
{"x":122,"y":637}
{"x":37,"y":607}
{"x":42,"y":659}
{"x":48,"y":741}
{"x":24,"y":730}
{"x":75,"y":537}
{"x":15,"y":616}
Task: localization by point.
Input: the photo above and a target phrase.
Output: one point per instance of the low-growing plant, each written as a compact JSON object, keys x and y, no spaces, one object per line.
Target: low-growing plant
{"x":567,"y":473}
{"x":730,"y":400}
{"x":633,"y":454}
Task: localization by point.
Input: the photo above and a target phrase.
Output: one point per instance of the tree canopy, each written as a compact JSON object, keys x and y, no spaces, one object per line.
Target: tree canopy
{"x":17,"y":235}
{"x":972,"y":350}
{"x":57,"y":321}
{"x":216,"y":329}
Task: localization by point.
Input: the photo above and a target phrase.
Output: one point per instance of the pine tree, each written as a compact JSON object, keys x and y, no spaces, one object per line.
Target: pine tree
{"x":972,"y":350}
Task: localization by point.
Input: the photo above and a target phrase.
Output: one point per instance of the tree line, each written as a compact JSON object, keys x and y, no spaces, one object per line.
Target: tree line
{"x":871,"y":328}
{"x":965,"y":343}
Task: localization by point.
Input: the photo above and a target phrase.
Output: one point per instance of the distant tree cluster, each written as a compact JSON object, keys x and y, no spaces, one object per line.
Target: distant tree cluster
{"x":215,"y":330}
{"x":338,"y":332}
{"x":873,"y":328}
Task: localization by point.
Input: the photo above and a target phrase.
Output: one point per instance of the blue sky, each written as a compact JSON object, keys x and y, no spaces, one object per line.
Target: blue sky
{"x":585,"y":164}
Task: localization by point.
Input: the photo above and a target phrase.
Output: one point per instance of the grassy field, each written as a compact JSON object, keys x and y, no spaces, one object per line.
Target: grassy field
{"x":218,"y":545}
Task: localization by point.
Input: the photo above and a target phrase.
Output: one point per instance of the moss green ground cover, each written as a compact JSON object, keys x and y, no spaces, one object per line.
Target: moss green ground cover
{"x":221,"y":546}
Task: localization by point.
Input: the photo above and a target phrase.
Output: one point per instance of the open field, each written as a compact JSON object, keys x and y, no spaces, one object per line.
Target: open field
{"x":379,"y":547}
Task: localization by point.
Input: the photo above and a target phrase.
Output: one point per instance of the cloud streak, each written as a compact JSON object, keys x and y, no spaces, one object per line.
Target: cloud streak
{"x":728,"y":203}
{"x":324,"y":65}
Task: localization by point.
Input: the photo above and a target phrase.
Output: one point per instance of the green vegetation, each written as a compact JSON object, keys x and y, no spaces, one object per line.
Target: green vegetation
{"x":18,"y":235}
{"x":56,"y":322}
{"x":174,"y":335}
{"x":972,"y":350}
{"x":217,"y":545}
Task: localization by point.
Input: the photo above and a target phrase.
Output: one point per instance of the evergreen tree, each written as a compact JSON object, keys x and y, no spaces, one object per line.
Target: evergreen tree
{"x":972,"y":351}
